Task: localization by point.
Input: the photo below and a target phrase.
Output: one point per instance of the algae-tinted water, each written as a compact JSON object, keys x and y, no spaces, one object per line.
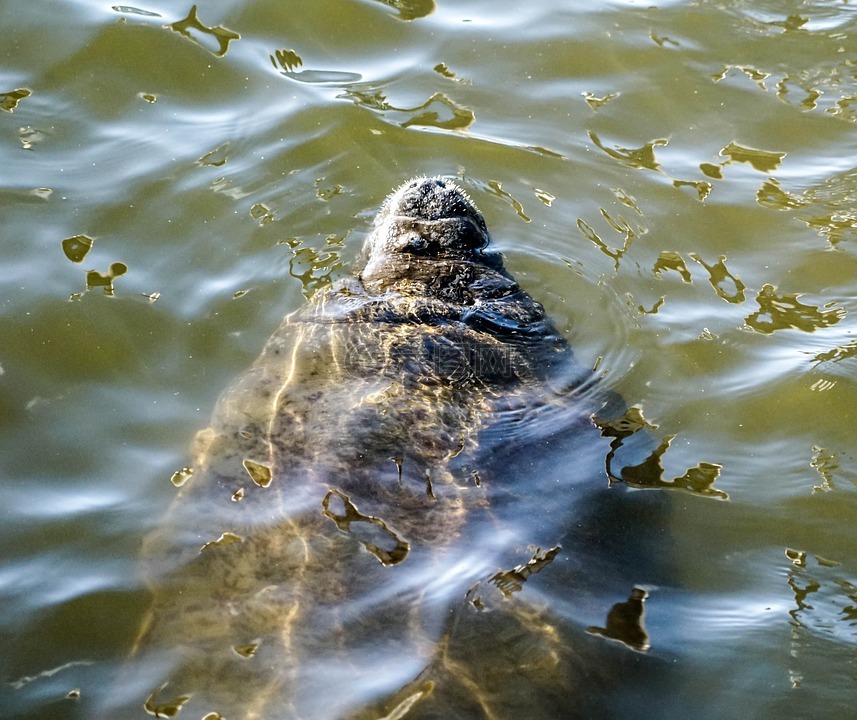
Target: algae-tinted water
{"x":675,"y":181}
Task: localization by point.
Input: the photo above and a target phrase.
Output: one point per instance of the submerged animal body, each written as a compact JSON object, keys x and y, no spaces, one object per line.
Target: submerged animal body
{"x":409,"y":432}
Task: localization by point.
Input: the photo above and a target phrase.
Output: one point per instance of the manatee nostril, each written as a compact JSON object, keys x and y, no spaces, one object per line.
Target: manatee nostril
{"x":415,"y":243}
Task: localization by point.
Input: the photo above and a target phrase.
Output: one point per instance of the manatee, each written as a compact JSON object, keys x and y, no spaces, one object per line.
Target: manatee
{"x":373,"y":493}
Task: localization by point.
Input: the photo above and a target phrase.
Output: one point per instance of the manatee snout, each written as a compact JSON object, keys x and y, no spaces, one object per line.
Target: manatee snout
{"x":425,"y":220}
{"x":432,"y":198}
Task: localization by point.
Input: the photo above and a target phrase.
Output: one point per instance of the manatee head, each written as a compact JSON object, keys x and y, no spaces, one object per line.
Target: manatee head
{"x":428,"y":221}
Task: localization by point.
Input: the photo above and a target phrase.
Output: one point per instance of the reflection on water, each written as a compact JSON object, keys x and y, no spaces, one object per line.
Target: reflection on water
{"x":670,"y":260}
{"x":96,"y":279}
{"x":512,"y":581}
{"x":130,"y":10}
{"x":350,"y":514}
{"x":761,"y":160}
{"x":289,"y":62}
{"x":169,"y":708}
{"x":825,"y":596}
{"x":829,"y":208}
{"x":411,"y":9}
{"x":641,"y":158}
{"x":649,"y":473}
{"x":77,"y":247}
{"x":725,"y":284}
{"x":191,"y":28}
{"x":617,"y":224}
{"x":625,"y":622}
{"x":779,"y":312}
{"x":674,"y":180}
{"x":837,"y":354}
{"x":314,"y":267}
{"x":437,"y":111}
{"x":9,"y":100}
{"x":217,"y":157}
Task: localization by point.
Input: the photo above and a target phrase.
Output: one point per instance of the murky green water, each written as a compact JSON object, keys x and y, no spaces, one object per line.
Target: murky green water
{"x":675,"y":181}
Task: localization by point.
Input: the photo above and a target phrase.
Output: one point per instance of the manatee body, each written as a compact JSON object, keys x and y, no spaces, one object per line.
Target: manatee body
{"x":373,"y":493}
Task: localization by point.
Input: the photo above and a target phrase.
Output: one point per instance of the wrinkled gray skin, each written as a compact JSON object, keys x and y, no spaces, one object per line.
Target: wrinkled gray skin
{"x":396,"y":444}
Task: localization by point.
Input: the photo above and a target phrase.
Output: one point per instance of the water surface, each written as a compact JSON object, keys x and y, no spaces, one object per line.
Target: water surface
{"x":675,"y":181}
